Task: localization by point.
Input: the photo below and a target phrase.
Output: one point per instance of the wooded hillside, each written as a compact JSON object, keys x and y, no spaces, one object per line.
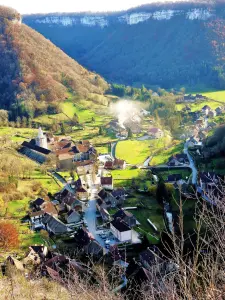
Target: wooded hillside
{"x":34,"y":71}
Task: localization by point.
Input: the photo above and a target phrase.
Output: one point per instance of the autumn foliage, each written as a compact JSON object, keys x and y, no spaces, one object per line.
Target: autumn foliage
{"x":33,"y":71}
{"x":9,"y":236}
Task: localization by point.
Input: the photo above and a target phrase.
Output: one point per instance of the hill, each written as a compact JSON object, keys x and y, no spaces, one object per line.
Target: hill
{"x":34,"y":72}
{"x":165,"y":44}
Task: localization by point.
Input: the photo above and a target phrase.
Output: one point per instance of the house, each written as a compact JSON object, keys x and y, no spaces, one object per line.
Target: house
{"x":36,"y":204}
{"x":107,"y":182}
{"x":115,"y":164}
{"x":137,"y":274}
{"x":36,"y":219}
{"x":69,"y":200}
{"x":107,"y":198}
{"x":72,"y":216}
{"x":84,"y":151}
{"x":84,"y":167}
{"x":206,"y":109}
{"x":178,"y":159}
{"x":93,"y":248}
{"x":219,"y":111}
{"x":119,"y":164}
{"x":119,"y":194}
{"x":54,"y":225}
{"x":108,"y":165}
{"x":40,"y":207}
{"x":127,"y":217}
{"x":200,"y":123}
{"x":194,"y":115}
{"x":212,"y":114}
{"x":155,"y":133}
{"x":81,"y":194}
{"x":37,"y":254}
{"x":65,"y":161}
{"x":121,"y":230}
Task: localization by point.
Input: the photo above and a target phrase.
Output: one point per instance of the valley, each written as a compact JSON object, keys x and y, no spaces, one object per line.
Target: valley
{"x":109,"y":186}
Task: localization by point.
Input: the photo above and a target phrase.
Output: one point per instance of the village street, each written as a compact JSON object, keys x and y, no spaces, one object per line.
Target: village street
{"x":90,"y":212}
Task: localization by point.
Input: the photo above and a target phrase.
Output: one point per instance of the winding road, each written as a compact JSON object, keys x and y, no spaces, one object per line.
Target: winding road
{"x":192,"y":165}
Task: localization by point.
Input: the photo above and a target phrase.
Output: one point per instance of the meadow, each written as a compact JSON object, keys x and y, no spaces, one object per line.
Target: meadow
{"x":136,"y":152}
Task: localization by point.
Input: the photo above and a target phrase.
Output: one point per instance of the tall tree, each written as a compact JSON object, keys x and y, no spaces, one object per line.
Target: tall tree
{"x":9,"y":236}
{"x":161,"y":192}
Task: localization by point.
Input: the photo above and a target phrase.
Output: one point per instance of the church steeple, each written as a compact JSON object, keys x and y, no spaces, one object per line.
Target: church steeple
{"x":41,"y":139}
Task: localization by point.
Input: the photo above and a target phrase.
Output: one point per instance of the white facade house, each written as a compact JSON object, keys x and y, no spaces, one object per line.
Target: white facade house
{"x":121,"y":230}
{"x":41,"y":139}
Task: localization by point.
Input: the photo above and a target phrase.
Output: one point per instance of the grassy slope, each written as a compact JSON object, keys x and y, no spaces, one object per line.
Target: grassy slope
{"x":163,"y":156}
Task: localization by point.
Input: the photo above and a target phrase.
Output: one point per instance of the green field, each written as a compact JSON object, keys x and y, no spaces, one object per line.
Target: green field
{"x":136,"y":152}
{"x":163,"y":156}
{"x":218,"y":95}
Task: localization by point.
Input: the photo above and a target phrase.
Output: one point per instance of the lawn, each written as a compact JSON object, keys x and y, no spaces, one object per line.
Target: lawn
{"x":136,"y":152}
{"x":123,"y":178}
{"x":184,"y":173}
{"x":163,"y":155}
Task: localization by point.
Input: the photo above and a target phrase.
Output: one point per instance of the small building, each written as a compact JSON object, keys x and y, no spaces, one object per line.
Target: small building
{"x":212,"y":114}
{"x":37,"y":254}
{"x":127,"y":217}
{"x":72,"y":216}
{"x":107,"y":182}
{"x":119,"y":164}
{"x":155,"y":133}
{"x":93,"y":248}
{"x":81,"y":194}
{"x":206,"y":109}
{"x":178,"y":159}
{"x":219,"y":111}
{"x":121,"y":230}
{"x":36,"y":219}
{"x":54,"y":225}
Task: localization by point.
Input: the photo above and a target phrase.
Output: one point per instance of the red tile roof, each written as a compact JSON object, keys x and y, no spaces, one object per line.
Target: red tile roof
{"x":106,"y":180}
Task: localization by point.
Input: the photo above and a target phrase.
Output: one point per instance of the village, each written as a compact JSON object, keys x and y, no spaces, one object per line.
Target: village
{"x":96,"y":217}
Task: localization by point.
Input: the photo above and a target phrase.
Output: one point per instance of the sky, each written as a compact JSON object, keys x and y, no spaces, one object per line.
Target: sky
{"x":45,"y":6}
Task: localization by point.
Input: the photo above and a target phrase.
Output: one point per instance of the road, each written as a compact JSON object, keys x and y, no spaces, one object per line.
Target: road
{"x":90,"y":212}
{"x":113,"y":150}
{"x":192,"y":165}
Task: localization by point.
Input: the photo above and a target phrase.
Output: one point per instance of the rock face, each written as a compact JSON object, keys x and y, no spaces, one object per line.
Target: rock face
{"x":161,"y":44}
{"x":128,"y":18}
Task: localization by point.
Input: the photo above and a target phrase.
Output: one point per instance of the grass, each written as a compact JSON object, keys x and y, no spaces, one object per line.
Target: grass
{"x":217,"y":95}
{"x":18,"y":134}
{"x":136,"y":152}
{"x":163,"y":156}
{"x":184,"y":173}
{"x":151,"y":210}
